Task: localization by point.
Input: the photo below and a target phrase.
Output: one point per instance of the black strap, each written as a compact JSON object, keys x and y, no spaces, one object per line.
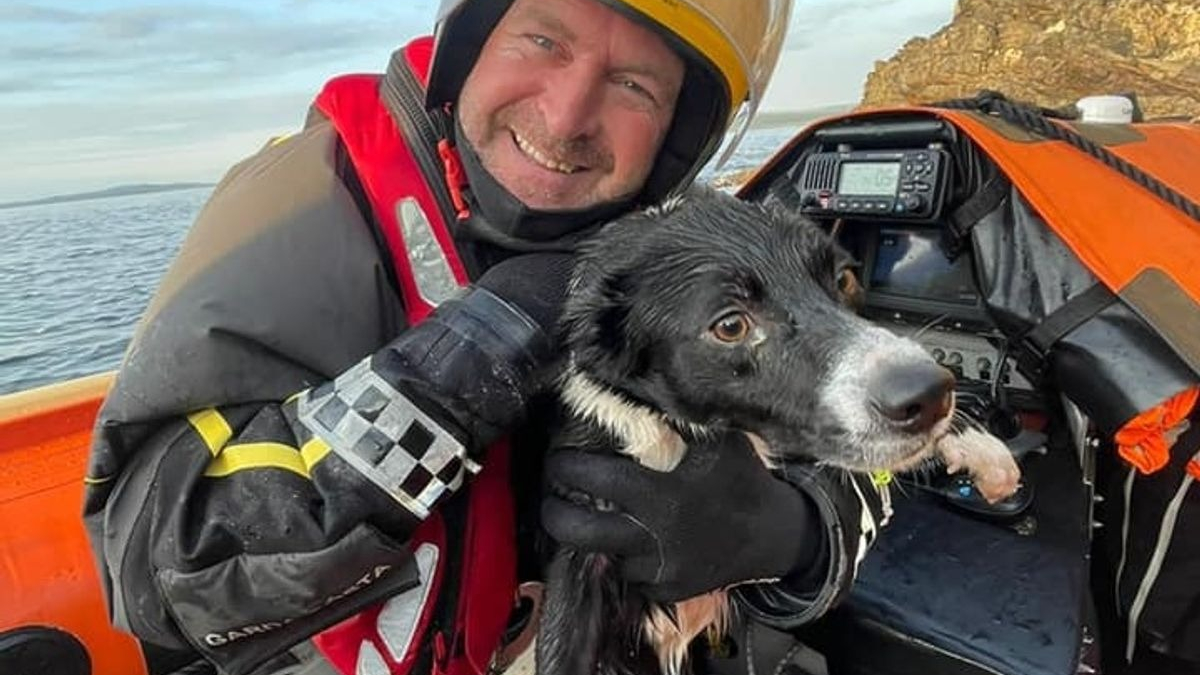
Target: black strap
{"x":985,"y":200}
{"x":1067,"y":318}
{"x":404,"y":98}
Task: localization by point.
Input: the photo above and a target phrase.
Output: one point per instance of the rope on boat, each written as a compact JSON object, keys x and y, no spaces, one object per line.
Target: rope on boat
{"x":1037,"y":120}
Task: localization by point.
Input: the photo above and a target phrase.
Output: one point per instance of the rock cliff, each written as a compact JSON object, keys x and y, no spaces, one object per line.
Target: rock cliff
{"x":1052,"y":52}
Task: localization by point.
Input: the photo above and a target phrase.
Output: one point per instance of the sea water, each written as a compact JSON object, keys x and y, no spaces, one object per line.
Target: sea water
{"x":76,"y":276}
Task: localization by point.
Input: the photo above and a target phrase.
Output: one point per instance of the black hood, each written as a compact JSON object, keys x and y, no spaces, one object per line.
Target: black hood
{"x":500,"y":220}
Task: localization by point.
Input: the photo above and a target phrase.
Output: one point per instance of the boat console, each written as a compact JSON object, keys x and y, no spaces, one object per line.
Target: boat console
{"x":954,"y":585}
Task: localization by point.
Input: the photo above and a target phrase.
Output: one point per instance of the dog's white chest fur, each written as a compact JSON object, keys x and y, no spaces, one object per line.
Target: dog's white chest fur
{"x":645,"y":434}
{"x":648,"y":437}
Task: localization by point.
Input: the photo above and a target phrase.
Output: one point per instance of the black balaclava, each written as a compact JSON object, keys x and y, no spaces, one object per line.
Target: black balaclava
{"x":501,"y":221}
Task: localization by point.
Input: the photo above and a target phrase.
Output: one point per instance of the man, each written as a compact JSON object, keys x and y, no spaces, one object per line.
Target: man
{"x":310,"y":394}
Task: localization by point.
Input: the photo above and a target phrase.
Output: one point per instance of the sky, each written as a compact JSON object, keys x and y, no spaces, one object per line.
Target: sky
{"x":110,"y":92}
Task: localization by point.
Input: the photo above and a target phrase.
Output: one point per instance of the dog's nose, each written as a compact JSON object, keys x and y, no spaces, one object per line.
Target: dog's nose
{"x":914,"y":395}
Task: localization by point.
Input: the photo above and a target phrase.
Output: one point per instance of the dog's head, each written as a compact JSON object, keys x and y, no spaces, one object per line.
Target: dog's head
{"x":722,"y":313}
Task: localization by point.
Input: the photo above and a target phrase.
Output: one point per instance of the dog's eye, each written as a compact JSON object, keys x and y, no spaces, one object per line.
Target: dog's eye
{"x":731,"y":328}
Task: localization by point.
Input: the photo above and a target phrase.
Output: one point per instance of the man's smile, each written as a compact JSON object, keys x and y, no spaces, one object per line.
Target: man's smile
{"x":542,"y":158}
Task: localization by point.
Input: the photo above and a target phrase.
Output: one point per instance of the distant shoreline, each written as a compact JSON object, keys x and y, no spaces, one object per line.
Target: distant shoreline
{"x":772,"y":119}
{"x":118,"y":191}
{"x":764,"y":120}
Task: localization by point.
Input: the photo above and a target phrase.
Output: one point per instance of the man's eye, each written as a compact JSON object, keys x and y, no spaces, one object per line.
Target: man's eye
{"x":638,"y":89}
{"x":541,"y":41}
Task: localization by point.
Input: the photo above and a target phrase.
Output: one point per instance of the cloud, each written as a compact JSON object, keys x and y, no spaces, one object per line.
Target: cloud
{"x":22,"y":85}
{"x":89,"y":93}
{"x":147,"y":47}
{"x":29,"y":14}
{"x":823,"y":21}
{"x":97,"y":92}
{"x":833,"y":44}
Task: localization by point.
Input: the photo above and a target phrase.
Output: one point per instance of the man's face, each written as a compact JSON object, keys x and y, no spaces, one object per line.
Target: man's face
{"x":569,"y":102}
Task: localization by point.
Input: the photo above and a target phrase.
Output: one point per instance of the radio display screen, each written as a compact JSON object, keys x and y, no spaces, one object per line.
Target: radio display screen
{"x":911,"y":264}
{"x":868,"y":178}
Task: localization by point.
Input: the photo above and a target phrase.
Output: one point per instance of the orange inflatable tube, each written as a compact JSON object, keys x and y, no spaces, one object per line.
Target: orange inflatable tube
{"x":48,"y":580}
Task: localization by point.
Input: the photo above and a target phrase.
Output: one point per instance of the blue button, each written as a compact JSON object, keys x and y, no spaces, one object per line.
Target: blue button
{"x":964,"y":490}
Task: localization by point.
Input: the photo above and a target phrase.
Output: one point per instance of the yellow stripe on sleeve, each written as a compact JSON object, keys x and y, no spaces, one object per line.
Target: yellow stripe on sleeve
{"x":314,"y":451}
{"x":257,"y":456}
{"x":212,"y":427}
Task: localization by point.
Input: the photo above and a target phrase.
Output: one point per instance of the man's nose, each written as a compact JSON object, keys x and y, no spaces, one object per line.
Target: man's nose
{"x":571,"y":102}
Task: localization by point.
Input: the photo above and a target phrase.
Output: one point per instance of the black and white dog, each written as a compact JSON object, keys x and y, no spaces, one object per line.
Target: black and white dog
{"x":712,"y":313}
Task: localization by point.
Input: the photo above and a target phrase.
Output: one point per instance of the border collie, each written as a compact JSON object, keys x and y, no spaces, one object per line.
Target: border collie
{"x":712,"y":313}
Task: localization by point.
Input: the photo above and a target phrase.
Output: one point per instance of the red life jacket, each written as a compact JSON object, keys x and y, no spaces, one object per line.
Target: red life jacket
{"x":466,"y":550}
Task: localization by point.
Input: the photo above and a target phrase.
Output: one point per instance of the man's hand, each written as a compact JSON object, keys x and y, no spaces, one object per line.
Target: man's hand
{"x":719,"y":518}
{"x":534,"y":282}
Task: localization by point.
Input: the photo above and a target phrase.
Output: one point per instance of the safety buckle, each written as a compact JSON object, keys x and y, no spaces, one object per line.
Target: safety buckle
{"x":1031,"y":358}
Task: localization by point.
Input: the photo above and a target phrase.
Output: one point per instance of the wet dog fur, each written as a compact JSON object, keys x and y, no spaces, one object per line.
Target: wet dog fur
{"x":710,"y":313}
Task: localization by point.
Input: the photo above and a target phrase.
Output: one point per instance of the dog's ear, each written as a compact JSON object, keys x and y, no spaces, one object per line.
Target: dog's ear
{"x":849,"y":289}
{"x":602,"y":339}
{"x":596,"y":323}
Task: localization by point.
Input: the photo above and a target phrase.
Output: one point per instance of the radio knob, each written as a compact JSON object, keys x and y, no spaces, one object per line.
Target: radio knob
{"x":912,"y":203}
{"x":954,"y":363}
{"x":810,"y":199}
{"x":984,"y":367}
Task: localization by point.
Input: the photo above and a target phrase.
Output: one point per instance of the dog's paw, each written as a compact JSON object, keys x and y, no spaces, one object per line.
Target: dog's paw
{"x":989,"y":462}
{"x":953,"y":453}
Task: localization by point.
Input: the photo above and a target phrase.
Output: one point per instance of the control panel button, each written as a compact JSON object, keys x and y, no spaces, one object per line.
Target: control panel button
{"x":912,"y":202}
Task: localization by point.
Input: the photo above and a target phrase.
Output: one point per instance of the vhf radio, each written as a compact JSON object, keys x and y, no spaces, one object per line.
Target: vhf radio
{"x":873,"y":182}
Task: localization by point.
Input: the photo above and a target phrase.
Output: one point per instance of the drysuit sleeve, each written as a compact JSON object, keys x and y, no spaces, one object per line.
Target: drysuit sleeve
{"x":853,"y":508}
{"x":275,"y":432}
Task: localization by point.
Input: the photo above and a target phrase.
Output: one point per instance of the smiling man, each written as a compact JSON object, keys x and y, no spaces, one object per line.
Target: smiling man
{"x":569,"y":103}
{"x":315,"y":420}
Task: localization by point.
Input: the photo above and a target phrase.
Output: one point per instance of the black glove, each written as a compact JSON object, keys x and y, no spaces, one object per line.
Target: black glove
{"x":536,"y":283}
{"x":418,"y":414}
{"x":719,"y":518}
{"x":854,"y":508}
{"x":474,"y":363}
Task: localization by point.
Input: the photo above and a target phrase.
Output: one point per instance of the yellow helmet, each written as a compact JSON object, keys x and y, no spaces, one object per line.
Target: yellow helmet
{"x":730,"y":48}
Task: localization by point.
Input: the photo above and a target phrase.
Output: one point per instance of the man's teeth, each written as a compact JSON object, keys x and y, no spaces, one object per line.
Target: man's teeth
{"x":545,"y":161}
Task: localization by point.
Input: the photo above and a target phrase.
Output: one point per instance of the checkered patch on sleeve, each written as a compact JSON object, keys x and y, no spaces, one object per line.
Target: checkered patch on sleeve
{"x":386,"y":437}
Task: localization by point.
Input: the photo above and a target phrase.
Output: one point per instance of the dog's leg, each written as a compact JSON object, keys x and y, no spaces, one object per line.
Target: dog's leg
{"x":768,"y":458}
{"x":573,"y":630}
{"x":989,"y":462}
{"x":671,"y":636}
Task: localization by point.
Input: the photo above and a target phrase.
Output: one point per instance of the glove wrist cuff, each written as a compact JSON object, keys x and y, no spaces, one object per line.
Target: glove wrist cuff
{"x":502,"y":331}
{"x":846,"y":504}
